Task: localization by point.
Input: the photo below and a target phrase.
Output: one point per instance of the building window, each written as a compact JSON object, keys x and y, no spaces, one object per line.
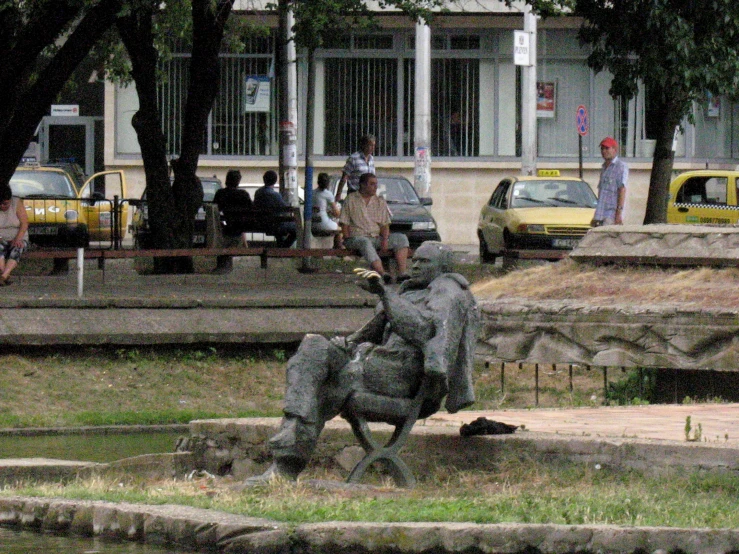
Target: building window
{"x":361,"y":98}
{"x":454,"y":107}
{"x":234,"y":129}
{"x":455,"y":101}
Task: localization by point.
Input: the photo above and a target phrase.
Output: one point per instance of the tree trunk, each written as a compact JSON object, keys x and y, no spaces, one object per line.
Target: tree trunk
{"x":137,"y":35}
{"x":209,"y":22}
{"x":659,"y":181}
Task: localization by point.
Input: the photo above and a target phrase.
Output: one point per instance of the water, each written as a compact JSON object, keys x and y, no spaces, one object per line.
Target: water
{"x":27,"y":542}
{"x":90,"y":447}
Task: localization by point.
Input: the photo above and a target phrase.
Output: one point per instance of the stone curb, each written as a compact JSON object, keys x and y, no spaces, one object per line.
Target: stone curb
{"x":266,"y":302}
{"x":202,"y":530}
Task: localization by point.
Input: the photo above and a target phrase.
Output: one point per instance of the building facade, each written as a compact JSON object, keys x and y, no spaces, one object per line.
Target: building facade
{"x":365,"y":84}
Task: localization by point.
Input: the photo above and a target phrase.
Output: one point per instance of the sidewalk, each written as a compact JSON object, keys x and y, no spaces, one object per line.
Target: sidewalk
{"x":333,"y":282}
{"x":663,"y":422}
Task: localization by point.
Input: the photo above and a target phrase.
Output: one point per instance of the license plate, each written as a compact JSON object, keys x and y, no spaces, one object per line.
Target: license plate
{"x":565,"y":243}
{"x":44,"y":230}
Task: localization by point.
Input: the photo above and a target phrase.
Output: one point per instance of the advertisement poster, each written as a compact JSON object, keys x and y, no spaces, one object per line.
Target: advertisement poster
{"x":713,"y":108}
{"x":546,"y":98}
{"x":256,"y":93}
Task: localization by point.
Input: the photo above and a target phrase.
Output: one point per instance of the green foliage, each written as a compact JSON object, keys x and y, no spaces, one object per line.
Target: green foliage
{"x":517,"y":491}
{"x":693,"y":434}
{"x":636,"y":388}
{"x":679,"y":49}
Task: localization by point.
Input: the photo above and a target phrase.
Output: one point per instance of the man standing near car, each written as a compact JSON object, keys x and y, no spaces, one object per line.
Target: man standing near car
{"x":357,"y":164}
{"x":611,"y":187}
{"x":365,"y":224}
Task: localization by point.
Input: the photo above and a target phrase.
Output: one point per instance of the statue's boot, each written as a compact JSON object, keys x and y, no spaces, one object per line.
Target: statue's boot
{"x":296,"y":439}
{"x":281,"y":468}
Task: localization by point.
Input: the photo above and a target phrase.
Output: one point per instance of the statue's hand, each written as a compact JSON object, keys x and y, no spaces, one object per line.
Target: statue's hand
{"x":371,"y":280}
{"x":342,"y":343}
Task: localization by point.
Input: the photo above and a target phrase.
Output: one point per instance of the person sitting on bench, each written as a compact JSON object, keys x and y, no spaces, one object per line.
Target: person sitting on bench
{"x":328,"y":210}
{"x":365,"y":224}
{"x":230,"y":201}
{"x":268,"y":201}
{"x":427,"y":330}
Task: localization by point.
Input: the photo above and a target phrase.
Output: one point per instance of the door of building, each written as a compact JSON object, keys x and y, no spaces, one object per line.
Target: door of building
{"x":69,"y":139}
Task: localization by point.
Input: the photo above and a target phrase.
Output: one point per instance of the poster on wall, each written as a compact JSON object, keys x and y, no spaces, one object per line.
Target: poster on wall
{"x":256,"y":93}
{"x":713,"y":107}
{"x":546,"y":98}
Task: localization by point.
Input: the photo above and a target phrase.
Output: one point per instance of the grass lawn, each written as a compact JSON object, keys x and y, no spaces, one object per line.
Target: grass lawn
{"x":141,"y":385}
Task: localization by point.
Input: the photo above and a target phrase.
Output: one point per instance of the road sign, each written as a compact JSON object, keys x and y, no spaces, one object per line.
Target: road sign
{"x":583,"y":122}
{"x":521,"y":48}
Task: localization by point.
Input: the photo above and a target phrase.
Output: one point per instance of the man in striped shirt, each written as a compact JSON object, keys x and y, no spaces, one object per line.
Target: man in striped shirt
{"x":358,"y":164}
{"x":365,"y":223}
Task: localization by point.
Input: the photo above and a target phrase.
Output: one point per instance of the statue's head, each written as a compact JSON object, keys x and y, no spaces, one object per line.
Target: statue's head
{"x":430,"y":260}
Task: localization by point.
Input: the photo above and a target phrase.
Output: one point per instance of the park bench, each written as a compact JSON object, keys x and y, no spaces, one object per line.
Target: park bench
{"x":255,"y":221}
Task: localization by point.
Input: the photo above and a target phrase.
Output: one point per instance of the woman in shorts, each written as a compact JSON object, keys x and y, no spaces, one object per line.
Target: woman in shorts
{"x":13,"y":233}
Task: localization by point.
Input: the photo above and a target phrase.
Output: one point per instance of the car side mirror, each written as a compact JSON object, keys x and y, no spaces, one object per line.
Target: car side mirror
{"x":426,"y":201}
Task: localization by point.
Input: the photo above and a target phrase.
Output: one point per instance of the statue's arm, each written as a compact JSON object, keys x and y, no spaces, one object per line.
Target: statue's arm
{"x":407,"y":319}
{"x":371,"y":331}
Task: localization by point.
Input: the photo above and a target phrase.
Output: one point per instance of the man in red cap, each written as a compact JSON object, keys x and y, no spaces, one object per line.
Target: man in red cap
{"x":611,"y":187}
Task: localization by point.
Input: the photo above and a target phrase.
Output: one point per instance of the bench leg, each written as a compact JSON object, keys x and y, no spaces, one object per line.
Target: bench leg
{"x":387,"y":454}
{"x":224,"y":264}
{"x":61,"y":266}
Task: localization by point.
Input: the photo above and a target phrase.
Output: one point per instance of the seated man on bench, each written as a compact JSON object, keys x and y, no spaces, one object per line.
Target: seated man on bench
{"x":365,"y":224}
{"x":425,"y":331}
{"x":231,"y":201}
{"x":269,"y":202}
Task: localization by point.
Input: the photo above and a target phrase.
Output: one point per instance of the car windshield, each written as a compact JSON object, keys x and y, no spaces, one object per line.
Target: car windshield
{"x":545,"y":193}
{"x":209,"y":189}
{"x":397,"y":191}
{"x":28,"y":184}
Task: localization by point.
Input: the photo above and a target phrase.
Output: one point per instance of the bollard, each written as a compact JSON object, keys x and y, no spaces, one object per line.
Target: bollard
{"x":80,"y":272}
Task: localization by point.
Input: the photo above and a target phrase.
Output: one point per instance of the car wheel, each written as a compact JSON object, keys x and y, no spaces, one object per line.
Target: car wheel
{"x":486,"y":257}
{"x":507,"y":240}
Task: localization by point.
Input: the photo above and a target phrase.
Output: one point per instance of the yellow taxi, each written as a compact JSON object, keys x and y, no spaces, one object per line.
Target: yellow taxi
{"x":543,"y":212}
{"x":704,"y":197}
{"x":63,"y":209}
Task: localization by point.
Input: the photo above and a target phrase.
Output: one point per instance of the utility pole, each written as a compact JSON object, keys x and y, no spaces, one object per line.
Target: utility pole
{"x":422,"y":115}
{"x":528,"y":98}
{"x":287,"y":72}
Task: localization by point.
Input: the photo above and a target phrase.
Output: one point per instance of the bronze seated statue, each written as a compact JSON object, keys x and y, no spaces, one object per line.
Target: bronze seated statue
{"x":400,"y":366}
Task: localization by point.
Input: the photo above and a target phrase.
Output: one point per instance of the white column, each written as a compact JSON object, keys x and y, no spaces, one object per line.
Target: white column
{"x":81,"y":272}
{"x":528,"y":99}
{"x":422,"y":115}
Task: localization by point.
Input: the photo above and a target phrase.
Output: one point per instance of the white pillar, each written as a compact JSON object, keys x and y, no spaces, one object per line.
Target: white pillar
{"x":81,"y":272}
{"x":422,"y":115}
{"x":528,"y":99}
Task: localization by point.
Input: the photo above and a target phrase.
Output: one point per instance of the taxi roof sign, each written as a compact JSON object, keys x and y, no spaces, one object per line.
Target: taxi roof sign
{"x":548,"y":173}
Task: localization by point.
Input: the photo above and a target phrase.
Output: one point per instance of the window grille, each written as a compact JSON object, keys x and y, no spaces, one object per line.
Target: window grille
{"x":455,"y":106}
{"x":361,"y":98}
{"x":232,"y":131}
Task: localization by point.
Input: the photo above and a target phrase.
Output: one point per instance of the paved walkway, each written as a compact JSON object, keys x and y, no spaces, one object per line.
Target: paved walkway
{"x":719,"y":422}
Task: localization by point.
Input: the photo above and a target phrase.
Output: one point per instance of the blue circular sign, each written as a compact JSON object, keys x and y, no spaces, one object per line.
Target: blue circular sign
{"x":583,"y":122}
